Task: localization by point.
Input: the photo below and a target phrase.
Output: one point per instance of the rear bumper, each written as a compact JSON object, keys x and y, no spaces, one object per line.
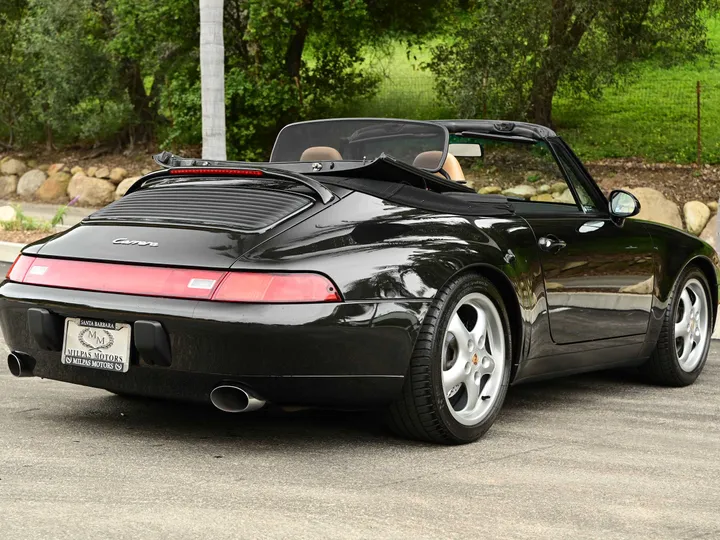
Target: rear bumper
{"x":322,"y":354}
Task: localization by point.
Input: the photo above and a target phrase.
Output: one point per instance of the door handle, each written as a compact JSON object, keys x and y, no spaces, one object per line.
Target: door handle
{"x":551,"y":243}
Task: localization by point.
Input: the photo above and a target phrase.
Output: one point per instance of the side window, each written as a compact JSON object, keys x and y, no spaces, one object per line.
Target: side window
{"x":518,"y":169}
{"x":575,"y":179}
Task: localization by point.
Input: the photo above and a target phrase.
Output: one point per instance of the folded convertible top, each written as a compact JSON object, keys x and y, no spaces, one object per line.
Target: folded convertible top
{"x":462,"y":203}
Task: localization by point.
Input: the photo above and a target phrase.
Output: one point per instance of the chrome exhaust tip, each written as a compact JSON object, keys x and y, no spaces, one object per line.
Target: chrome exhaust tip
{"x":20,"y":364}
{"x":234,"y":399}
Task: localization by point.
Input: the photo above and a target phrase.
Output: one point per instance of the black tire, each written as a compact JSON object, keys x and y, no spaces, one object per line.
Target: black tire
{"x":663,"y":367}
{"x":422,"y":412}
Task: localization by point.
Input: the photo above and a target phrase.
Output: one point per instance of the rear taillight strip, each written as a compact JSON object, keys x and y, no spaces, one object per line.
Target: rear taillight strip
{"x":215,"y":285}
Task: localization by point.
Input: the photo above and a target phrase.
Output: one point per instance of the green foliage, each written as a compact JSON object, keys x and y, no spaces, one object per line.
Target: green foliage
{"x":509,"y":57}
{"x":59,"y":216}
{"x":94,"y":71}
{"x":14,"y":100}
{"x":23,"y":222}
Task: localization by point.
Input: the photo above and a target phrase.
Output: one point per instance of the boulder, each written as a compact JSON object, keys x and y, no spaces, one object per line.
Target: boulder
{"x":55,"y":168}
{"x":7,"y":213}
{"x":542,"y":197}
{"x":8,"y":185}
{"x":696,"y":215}
{"x":490,"y":190}
{"x":77,"y":169}
{"x":54,"y":188}
{"x":13,"y":167}
{"x":712,"y":205}
{"x":117,"y":175}
{"x":644,"y":287}
{"x":655,"y":207}
{"x":30,"y":182}
{"x":521,"y":191}
{"x":75,"y":185}
{"x":565,"y":197}
{"x":558,"y":187}
{"x":96,"y":192}
{"x":710,"y":231}
{"x":545,"y":188}
{"x":102,"y":172}
{"x":125,"y":185}
{"x":43,"y":167}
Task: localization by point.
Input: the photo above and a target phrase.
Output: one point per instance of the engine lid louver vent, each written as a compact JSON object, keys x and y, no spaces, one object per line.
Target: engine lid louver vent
{"x":232,"y":207}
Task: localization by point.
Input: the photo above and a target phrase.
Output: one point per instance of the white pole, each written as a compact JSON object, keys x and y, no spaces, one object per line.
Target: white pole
{"x":212,"y":79}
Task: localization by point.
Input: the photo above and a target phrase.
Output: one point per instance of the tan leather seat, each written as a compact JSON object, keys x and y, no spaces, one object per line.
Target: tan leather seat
{"x":429,"y":160}
{"x":321,"y":153}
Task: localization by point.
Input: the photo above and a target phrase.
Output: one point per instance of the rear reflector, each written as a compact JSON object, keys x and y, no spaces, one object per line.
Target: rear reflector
{"x":215,"y":285}
{"x":19,"y":268}
{"x":279,"y":288}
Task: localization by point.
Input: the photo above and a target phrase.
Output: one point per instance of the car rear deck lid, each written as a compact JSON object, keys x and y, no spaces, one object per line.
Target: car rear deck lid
{"x":246,"y":209}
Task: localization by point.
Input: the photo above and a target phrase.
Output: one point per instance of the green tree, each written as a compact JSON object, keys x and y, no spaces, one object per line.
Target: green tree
{"x":510,"y":57}
{"x":13,"y":95}
{"x":288,"y":60}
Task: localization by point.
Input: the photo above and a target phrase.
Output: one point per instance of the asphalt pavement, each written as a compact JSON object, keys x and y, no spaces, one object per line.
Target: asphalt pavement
{"x":593,"y":456}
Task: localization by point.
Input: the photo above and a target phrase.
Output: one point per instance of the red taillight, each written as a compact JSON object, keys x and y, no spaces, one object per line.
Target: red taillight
{"x":217,"y":285}
{"x":280,"y":288}
{"x":231,"y":172}
{"x":19,"y":268}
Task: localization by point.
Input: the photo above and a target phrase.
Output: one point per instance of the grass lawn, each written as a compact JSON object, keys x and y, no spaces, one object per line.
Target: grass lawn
{"x":406,"y":90}
{"x":652,"y":117}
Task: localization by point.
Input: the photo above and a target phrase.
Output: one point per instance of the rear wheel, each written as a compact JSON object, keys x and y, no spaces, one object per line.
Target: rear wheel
{"x":684,"y":341}
{"x":460,"y":368}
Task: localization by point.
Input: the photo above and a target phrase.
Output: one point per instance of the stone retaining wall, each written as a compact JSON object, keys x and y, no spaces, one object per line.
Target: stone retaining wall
{"x":96,"y":186}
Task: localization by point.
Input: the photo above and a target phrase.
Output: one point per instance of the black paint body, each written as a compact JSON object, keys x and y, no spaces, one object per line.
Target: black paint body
{"x":597,"y":303}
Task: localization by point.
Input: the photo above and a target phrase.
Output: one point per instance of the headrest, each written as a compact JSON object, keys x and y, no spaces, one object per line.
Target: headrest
{"x":321,"y":153}
{"x":429,"y":160}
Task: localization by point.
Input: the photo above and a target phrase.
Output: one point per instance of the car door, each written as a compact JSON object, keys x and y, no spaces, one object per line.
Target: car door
{"x":598,"y":272}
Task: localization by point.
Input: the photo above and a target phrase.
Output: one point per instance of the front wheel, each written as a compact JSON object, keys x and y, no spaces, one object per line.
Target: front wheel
{"x":684,"y":342}
{"x":460,"y":368}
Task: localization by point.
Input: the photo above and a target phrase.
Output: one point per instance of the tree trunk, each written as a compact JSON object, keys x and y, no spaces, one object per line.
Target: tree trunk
{"x":293,"y":62}
{"x":567,"y":29}
{"x":212,"y":79}
{"x":541,"y":98}
{"x":293,"y":57}
{"x":143,"y":106}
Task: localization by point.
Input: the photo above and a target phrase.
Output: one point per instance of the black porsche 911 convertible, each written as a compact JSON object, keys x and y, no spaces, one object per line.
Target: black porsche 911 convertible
{"x":416,"y":267}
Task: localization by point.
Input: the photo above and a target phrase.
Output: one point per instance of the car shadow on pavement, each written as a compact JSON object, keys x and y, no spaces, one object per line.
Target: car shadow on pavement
{"x":188,"y":422}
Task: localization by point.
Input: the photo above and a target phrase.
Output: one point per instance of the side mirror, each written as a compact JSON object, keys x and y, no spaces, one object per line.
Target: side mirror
{"x":623,"y":204}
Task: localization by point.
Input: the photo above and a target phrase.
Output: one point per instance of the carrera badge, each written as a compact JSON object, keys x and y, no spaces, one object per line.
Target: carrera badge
{"x":126,"y":242}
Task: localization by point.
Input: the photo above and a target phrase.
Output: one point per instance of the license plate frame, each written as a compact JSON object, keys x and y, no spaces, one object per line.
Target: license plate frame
{"x":97,"y":344}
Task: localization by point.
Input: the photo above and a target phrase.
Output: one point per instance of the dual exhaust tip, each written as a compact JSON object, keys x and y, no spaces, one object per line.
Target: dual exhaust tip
{"x":235,"y":399}
{"x":226,"y":397}
{"x":20,"y":364}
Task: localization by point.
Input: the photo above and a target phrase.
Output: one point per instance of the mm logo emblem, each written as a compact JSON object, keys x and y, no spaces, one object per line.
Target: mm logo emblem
{"x":96,"y":338}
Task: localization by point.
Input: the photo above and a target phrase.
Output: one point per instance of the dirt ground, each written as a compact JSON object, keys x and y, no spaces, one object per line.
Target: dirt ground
{"x":679,"y":183}
{"x":22,"y":237}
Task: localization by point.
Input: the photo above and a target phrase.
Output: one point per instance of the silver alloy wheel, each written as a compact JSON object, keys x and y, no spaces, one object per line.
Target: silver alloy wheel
{"x":692,"y":324}
{"x":473,"y":359}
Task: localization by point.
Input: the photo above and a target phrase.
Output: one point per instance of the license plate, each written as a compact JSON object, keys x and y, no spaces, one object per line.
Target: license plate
{"x":97,"y":345}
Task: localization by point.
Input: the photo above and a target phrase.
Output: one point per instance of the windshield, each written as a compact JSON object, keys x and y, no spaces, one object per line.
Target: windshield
{"x":422,"y":144}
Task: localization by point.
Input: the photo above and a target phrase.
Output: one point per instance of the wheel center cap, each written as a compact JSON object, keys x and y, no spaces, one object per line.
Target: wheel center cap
{"x":475,"y":359}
